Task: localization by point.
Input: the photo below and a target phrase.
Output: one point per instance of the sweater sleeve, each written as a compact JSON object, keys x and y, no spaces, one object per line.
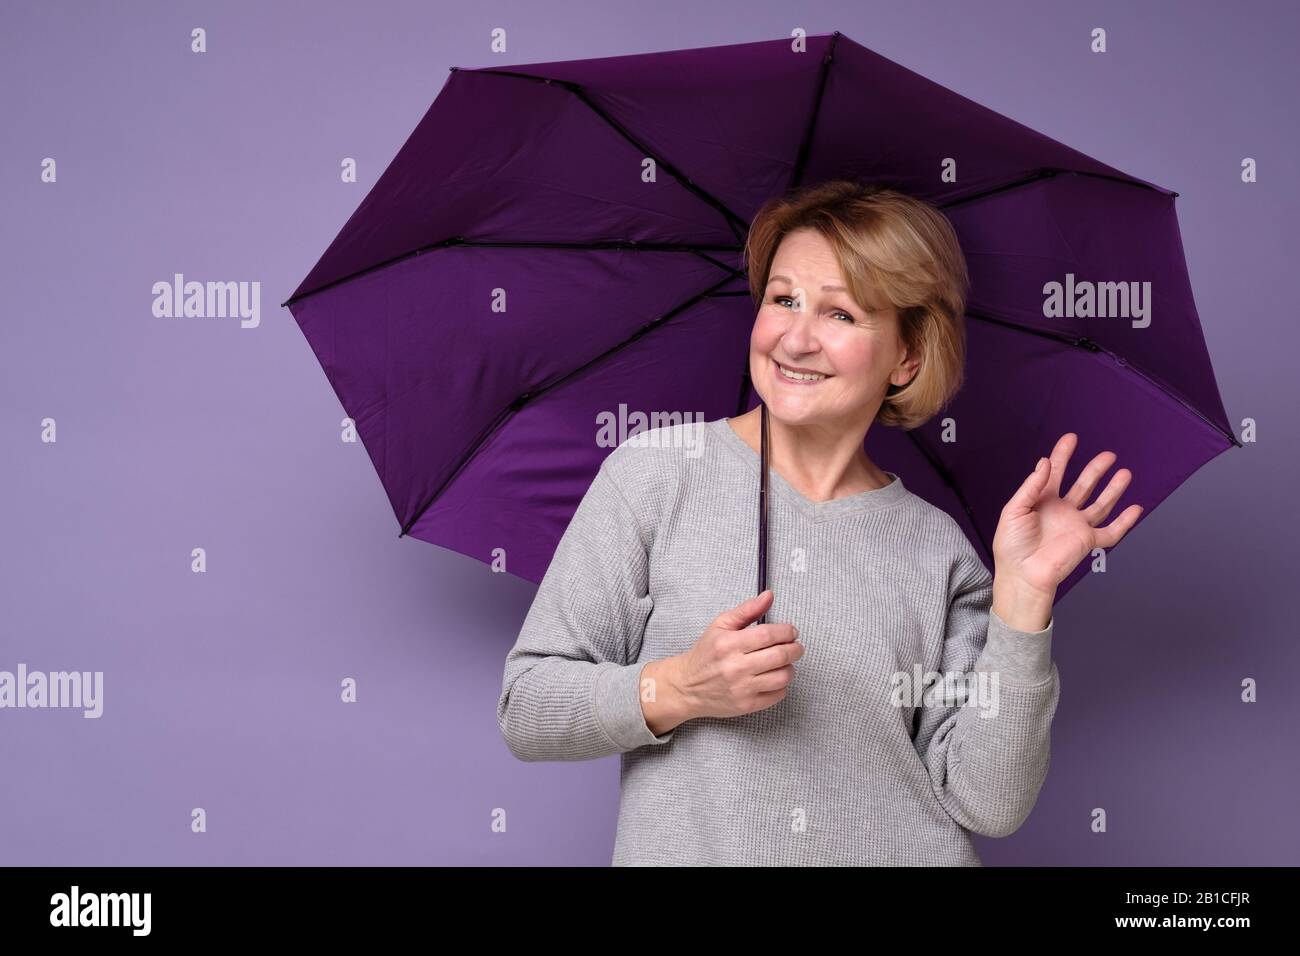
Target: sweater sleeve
{"x":571,"y":689}
{"x":986,"y":746}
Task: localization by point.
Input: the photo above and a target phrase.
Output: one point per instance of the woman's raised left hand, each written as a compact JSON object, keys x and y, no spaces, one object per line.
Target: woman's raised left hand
{"x":1042,"y":536}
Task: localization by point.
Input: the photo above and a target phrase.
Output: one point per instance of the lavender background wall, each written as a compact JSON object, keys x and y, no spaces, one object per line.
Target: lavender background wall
{"x":222,"y":689}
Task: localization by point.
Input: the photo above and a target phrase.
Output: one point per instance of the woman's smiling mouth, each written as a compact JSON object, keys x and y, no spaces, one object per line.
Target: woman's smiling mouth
{"x":798,"y":377}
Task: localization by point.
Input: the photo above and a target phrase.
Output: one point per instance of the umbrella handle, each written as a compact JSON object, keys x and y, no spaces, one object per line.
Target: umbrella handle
{"x":762,"y":510}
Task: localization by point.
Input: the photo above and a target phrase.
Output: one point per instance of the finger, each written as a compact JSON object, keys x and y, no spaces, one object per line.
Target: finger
{"x":1031,"y":489}
{"x":765,"y":635}
{"x":1083,"y":486}
{"x":773,"y":657}
{"x":1060,"y":457}
{"x":1099,"y":510}
{"x":744,"y":613}
{"x":771,"y":681}
{"x":765,"y":700}
{"x":1109,"y":536}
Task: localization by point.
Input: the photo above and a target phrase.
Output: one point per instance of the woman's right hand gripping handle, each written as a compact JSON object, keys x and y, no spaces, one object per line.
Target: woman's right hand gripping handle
{"x":732,"y":669}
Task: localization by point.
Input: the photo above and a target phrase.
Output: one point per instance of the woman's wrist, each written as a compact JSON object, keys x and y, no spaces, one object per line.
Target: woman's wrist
{"x":1022,"y":607}
{"x":662,"y":703}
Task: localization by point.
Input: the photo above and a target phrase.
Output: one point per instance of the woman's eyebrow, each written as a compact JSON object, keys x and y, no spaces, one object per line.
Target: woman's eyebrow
{"x":825,"y":288}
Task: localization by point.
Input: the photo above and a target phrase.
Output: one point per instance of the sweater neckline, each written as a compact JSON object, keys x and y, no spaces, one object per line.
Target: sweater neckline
{"x":863,"y":501}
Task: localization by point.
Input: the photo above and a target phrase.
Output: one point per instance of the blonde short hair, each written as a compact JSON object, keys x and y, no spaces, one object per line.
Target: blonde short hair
{"x":897,"y":245}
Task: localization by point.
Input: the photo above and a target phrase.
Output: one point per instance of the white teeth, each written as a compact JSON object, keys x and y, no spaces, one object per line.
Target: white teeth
{"x":799,"y":376}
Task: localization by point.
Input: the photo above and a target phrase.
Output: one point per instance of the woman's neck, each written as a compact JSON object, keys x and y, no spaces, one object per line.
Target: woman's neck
{"x":819,"y":463}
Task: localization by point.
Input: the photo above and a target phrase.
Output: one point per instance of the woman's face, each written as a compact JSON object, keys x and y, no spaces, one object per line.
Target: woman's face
{"x":807,"y":321}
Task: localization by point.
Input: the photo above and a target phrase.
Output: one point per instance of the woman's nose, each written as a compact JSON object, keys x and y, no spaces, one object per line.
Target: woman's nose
{"x":799,"y":334}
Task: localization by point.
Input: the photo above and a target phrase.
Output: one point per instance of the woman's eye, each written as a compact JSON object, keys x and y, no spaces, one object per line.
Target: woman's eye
{"x":783,"y":299}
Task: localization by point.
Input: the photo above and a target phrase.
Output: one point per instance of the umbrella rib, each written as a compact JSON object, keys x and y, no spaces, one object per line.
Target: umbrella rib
{"x":802,"y":159}
{"x":696,"y":248}
{"x":526,"y":397}
{"x":1091,"y":346}
{"x":689,"y":184}
{"x":943,"y":473}
{"x":1047,"y":172}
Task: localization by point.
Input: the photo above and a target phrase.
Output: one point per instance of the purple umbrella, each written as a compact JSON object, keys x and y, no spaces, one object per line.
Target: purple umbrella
{"x":552,"y":262}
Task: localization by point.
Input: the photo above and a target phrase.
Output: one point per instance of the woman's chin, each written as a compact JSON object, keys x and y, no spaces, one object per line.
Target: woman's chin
{"x":793,"y":410}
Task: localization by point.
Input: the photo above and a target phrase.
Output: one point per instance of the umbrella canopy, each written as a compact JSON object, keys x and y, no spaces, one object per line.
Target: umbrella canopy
{"x":559,"y":244}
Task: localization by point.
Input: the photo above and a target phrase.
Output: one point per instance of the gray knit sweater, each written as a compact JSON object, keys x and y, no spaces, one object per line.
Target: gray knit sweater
{"x":854,"y":765}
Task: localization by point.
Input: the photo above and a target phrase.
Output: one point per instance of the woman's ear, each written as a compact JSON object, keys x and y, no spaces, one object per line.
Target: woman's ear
{"x":906,"y":370}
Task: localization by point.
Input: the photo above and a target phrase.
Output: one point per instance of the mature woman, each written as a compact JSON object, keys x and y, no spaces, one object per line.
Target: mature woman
{"x":806,"y":740}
